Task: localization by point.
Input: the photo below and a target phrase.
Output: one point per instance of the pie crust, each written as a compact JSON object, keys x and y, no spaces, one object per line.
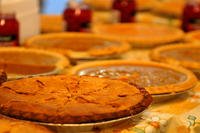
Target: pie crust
{"x":22,"y":62}
{"x":156,"y":78}
{"x":149,"y":17}
{"x":141,"y":34}
{"x":170,"y":8}
{"x":188,"y":56}
{"x":79,"y":45}
{"x":193,"y":36}
{"x":71,"y":99}
{"x":166,"y":54}
{"x":9,"y":125}
{"x":3,"y":77}
{"x":51,"y":23}
{"x":106,"y":5}
{"x":145,"y":4}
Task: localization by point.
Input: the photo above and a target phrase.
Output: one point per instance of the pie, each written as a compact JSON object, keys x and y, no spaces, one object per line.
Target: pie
{"x":20,"y":62}
{"x":107,"y":4}
{"x":3,"y":77}
{"x":193,"y":36}
{"x":187,"y":55}
{"x":149,"y":17}
{"x":145,"y":4}
{"x":141,"y":34}
{"x":169,"y":8}
{"x":71,"y":99}
{"x":9,"y":125}
{"x":79,"y":45}
{"x":156,"y":78}
{"x":100,"y":4}
{"x":51,"y":23}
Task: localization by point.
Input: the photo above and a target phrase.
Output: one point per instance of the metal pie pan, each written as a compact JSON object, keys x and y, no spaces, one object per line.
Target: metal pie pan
{"x":86,"y":127}
{"x":168,"y":96}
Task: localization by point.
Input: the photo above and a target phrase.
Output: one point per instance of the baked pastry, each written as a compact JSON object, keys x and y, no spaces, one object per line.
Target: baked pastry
{"x":156,"y":78}
{"x":145,"y":4}
{"x":79,"y":45}
{"x":100,"y":4}
{"x":107,"y":4}
{"x":3,"y":76}
{"x":149,"y":17}
{"x":141,"y":34}
{"x":51,"y":23}
{"x":187,"y":55}
{"x":9,"y":125}
{"x":169,"y":8}
{"x":193,"y":36}
{"x":71,"y":99}
{"x":21,"y":62}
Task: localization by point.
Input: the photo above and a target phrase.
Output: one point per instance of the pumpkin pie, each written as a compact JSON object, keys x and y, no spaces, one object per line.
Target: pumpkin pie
{"x":156,"y":78}
{"x":100,"y":4}
{"x":169,"y":8}
{"x":79,"y":45}
{"x":187,"y":55}
{"x":145,"y":4}
{"x":149,"y":17}
{"x":71,"y":99}
{"x":141,"y":34}
{"x":107,"y":4}
{"x":3,"y":76}
{"x":193,"y":36}
{"x":9,"y":125}
{"x":51,"y":23}
{"x":22,"y":62}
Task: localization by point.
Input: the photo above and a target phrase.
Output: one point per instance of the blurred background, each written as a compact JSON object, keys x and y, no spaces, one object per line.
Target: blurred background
{"x":52,"y":7}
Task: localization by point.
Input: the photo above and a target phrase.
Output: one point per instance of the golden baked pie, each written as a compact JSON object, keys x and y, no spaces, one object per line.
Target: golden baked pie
{"x":149,"y":17}
{"x":3,"y":76}
{"x":145,"y":4}
{"x":156,"y":78}
{"x":9,"y":125}
{"x":107,"y":4}
{"x":100,"y":4}
{"x":79,"y":45}
{"x":20,"y":62}
{"x":51,"y":23}
{"x":71,"y":99}
{"x":141,"y":34}
{"x":187,"y":55}
{"x":193,"y":36}
{"x":168,"y":8}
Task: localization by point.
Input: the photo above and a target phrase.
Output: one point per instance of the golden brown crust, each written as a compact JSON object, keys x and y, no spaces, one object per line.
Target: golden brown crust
{"x":169,"y":8}
{"x":141,"y":34}
{"x":71,"y":99}
{"x":3,"y":76}
{"x":9,"y":125}
{"x":193,"y":36}
{"x":23,"y":62}
{"x":104,"y":5}
{"x":100,"y":4}
{"x":149,"y":17}
{"x":188,"y":83}
{"x":191,"y":64}
{"x":145,"y":4}
{"x":78,"y":45}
